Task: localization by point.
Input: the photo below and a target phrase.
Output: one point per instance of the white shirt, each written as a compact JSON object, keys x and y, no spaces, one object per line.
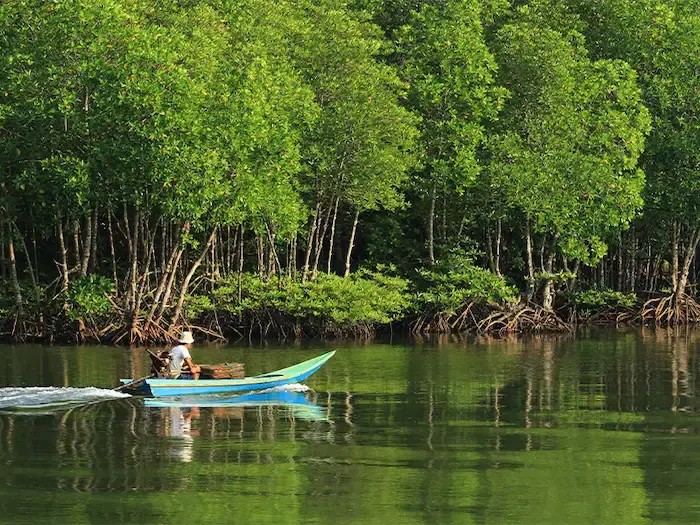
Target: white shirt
{"x":177,"y":357}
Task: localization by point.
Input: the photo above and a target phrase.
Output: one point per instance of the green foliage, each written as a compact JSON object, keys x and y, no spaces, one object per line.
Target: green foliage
{"x":368,"y":298}
{"x":444,"y":56}
{"x":89,"y":296}
{"x":457,"y":281}
{"x":558,"y":277}
{"x":661,"y":41}
{"x":566,"y":149}
{"x":590,"y":301}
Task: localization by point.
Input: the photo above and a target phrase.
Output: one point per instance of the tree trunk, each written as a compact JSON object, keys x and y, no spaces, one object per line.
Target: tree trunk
{"x":76,"y":244}
{"x":294,"y":256}
{"x":688,"y":255}
{"x":647,"y":276}
{"x":261,"y":253}
{"x":188,"y":278}
{"x":233,"y":250}
{"x":240,"y":265}
{"x":632,"y":275}
{"x":134,"y":262}
{"x":3,"y":262}
{"x":443,"y":233}
{"x":150,"y":249}
{"x":498,"y":248}
{"x":320,"y":235}
{"x":332,"y":239}
{"x":64,"y":257}
{"x":30,"y":266}
{"x":273,"y":251}
{"x":36,"y":252}
{"x":93,"y":243}
{"x":112,"y":252}
{"x":351,"y":244}
{"x":655,"y":272}
{"x":548,"y":290}
{"x":530,"y":292}
{"x":87,"y":243}
{"x":674,"y":257}
{"x":431,"y":227}
{"x":160,"y":301}
{"x":309,"y":245}
{"x":574,"y":279}
{"x":13,"y":271}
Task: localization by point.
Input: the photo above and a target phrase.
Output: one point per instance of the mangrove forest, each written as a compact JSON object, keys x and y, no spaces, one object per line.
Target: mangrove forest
{"x":330,"y":168}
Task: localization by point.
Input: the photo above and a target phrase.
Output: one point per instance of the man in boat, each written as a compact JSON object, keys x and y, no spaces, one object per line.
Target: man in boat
{"x":181,"y":364}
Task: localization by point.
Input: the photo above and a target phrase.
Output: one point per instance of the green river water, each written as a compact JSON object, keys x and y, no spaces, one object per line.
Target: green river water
{"x":602,"y":427}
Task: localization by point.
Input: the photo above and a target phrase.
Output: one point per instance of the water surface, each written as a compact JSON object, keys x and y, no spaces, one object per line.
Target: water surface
{"x":597,"y":428}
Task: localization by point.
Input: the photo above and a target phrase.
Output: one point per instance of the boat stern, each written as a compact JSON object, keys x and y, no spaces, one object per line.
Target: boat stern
{"x":136,"y":388}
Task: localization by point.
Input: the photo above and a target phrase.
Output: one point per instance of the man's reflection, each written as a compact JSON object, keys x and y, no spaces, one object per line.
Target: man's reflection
{"x":180,"y":427}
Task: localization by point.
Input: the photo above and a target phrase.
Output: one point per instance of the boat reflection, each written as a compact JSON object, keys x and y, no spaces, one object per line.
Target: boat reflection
{"x":295,"y":404}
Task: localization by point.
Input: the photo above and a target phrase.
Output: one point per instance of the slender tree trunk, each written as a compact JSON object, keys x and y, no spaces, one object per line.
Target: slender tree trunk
{"x":233,"y":249}
{"x":332,"y":239}
{"x":530,"y":264}
{"x":498,"y":248}
{"x":112,"y":252}
{"x":620,"y":265}
{"x":444,"y":217}
{"x":87,"y":243}
{"x":548,"y":291}
{"x":215,"y":249}
{"x":261,"y":254}
{"x":542,"y":247}
{"x":431,"y":227}
{"x":76,"y":244}
{"x":633,"y":262}
{"x":647,"y":276}
{"x":240,"y":265}
{"x":150,"y":249}
{"x":30,"y":266}
{"x":13,"y":271}
{"x":294,"y":255}
{"x":164,"y":235}
{"x":309,"y":244}
{"x":36,"y":252}
{"x":688,"y":255}
{"x":351,"y":244}
{"x":693,"y":271}
{"x":321,"y":234}
{"x":134,"y":262}
{"x":574,"y":279}
{"x":64,"y":257}
{"x":674,"y":257}
{"x":93,"y":242}
{"x":273,"y":252}
{"x":3,"y":257}
{"x":188,"y":278}
{"x":655,"y":272}
{"x":168,"y":276}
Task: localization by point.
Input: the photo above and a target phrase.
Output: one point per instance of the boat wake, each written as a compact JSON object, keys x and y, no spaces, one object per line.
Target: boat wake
{"x":47,"y":398}
{"x":294,"y":387}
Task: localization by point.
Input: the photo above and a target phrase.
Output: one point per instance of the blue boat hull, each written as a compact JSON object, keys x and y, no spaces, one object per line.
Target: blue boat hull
{"x":185,"y":387}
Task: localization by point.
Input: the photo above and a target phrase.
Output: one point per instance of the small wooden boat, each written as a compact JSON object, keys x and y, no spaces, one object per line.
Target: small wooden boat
{"x":184,"y":387}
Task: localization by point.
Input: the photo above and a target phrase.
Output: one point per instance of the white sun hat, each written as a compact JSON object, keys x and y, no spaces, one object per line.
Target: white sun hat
{"x":186,"y":337}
